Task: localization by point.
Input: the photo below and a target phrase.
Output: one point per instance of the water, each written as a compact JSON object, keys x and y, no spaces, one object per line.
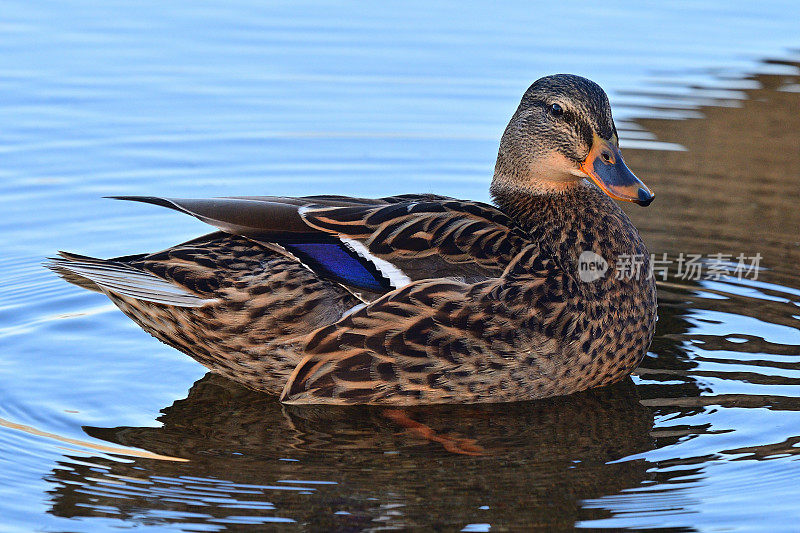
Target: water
{"x":102,"y":427}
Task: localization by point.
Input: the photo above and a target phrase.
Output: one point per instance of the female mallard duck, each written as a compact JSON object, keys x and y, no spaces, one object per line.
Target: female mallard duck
{"x":416,"y":298}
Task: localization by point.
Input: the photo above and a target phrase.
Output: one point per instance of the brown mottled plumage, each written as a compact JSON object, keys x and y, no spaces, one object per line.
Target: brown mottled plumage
{"x":417,"y":298}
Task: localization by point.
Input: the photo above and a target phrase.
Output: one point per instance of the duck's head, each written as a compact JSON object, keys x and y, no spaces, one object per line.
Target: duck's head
{"x":561,"y":134}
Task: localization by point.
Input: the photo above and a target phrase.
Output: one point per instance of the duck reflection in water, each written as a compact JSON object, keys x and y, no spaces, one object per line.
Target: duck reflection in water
{"x":535,"y":462}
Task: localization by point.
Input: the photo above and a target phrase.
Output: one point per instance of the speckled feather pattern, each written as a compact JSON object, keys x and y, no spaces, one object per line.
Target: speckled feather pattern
{"x":524,"y":327}
{"x":533,"y":332}
{"x":268,"y":303}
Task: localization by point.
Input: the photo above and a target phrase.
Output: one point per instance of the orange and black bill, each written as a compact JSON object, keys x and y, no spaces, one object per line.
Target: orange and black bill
{"x":605,"y":166}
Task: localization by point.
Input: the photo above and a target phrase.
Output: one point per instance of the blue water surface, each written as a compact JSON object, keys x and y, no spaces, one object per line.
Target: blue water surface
{"x":102,"y":427}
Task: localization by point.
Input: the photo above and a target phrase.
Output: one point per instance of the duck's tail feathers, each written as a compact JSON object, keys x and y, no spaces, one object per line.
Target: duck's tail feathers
{"x":112,"y":275}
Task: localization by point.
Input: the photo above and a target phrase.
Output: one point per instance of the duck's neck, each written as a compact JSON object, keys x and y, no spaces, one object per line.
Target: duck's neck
{"x":569,"y":222}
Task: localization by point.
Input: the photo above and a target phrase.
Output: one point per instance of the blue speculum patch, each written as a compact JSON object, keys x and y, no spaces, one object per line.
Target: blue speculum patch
{"x":335,"y":260}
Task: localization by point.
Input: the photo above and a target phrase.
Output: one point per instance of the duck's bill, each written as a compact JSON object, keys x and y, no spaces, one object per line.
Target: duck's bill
{"x":608,"y":170}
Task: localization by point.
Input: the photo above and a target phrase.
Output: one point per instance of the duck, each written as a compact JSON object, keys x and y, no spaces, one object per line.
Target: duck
{"x":417,"y":298}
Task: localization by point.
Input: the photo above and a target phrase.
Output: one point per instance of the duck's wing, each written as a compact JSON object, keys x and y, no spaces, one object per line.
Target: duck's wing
{"x":439,"y":341}
{"x":262,"y":216}
{"x":376,"y":245}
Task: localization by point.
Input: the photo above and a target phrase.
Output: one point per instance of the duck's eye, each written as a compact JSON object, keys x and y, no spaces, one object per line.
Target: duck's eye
{"x":556,"y":110}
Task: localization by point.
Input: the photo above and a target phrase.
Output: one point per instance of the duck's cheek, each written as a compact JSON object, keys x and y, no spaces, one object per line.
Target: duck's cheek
{"x":553,"y":171}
